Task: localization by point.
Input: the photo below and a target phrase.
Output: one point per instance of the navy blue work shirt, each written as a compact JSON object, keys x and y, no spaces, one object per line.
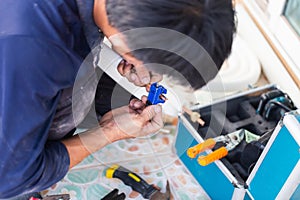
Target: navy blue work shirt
{"x":42,"y":45}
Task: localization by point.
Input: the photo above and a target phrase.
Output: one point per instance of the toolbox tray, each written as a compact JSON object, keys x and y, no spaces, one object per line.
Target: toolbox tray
{"x":235,"y":113}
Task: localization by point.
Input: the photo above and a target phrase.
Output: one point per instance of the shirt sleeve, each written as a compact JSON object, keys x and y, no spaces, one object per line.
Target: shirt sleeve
{"x":32,"y":74}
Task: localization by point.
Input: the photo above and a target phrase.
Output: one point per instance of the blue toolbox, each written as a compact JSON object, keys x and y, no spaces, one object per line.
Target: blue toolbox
{"x":249,"y":147}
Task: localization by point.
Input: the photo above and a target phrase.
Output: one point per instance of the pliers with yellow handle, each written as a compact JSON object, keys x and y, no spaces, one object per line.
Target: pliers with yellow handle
{"x":230,"y":140}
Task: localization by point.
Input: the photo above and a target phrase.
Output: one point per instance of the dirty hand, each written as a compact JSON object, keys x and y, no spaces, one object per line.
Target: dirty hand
{"x":138,"y":75}
{"x":132,"y":121}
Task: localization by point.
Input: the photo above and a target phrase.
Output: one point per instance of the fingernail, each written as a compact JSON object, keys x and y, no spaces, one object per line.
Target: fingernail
{"x":157,"y":109}
{"x":131,"y":103}
{"x":146,"y":80}
{"x":137,"y":104}
{"x":133,"y":77}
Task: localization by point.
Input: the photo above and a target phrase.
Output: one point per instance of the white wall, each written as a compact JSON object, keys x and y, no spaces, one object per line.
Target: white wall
{"x":271,"y":64}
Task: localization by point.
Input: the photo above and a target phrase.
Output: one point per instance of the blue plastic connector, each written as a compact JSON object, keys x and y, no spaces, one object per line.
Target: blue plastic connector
{"x":155,"y":93}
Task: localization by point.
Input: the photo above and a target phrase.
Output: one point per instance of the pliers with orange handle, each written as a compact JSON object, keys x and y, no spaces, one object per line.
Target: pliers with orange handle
{"x":230,"y":140}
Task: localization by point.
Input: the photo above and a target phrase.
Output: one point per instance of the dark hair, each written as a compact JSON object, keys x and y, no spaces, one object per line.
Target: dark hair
{"x":209,"y":22}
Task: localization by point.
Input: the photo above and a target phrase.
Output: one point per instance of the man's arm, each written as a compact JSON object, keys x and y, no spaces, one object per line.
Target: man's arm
{"x":32,"y":73}
{"x":77,"y":148}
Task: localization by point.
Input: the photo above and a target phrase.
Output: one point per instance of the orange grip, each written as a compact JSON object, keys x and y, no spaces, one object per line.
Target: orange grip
{"x":195,"y":150}
{"x":216,"y":155}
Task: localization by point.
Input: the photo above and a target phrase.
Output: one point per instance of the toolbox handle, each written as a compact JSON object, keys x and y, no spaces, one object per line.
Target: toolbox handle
{"x":216,"y":155}
{"x":199,"y":148}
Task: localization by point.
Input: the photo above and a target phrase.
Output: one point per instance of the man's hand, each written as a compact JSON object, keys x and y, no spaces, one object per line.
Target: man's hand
{"x":138,"y":74}
{"x":132,"y":121}
{"x":129,"y":121}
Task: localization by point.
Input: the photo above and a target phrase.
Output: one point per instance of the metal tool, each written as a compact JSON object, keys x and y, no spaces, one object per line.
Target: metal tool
{"x":114,"y":195}
{"x":230,"y":140}
{"x":265,"y":97}
{"x":53,"y":197}
{"x":137,"y":183}
{"x":156,"y":94}
{"x":284,"y":103}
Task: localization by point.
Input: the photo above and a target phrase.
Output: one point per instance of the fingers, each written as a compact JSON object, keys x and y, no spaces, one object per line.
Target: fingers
{"x":155,"y":121}
{"x":120,"y":67}
{"x":125,"y":68}
{"x":146,"y":77}
{"x":143,"y":75}
{"x":138,"y":74}
{"x":144,"y":99}
{"x":136,"y":104}
{"x":150,"y":112}
{"x":155,"y":77}
{"x":129,"y":123}
{"x":155,"y":124}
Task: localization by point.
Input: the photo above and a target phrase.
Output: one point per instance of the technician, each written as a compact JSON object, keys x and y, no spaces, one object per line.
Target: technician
{"x":43,"y":44}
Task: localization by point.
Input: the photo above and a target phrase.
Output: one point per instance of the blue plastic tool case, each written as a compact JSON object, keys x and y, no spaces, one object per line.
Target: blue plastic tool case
{"x":275,"y":174}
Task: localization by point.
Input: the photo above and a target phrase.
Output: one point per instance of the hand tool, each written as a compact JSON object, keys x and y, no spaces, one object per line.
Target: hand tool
{"x":113,"y":195}
{"x":230,"y":140}
{"x":284,"y":103}
{"x":137,"y":183}
{"x":156,"y":94}
{"x":264,"y":98}
{"x":53,"y":197}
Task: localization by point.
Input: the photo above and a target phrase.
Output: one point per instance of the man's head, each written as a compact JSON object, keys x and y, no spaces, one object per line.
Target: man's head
{"x":208,"y":22}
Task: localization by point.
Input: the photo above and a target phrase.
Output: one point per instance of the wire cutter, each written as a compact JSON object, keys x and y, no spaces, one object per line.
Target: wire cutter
{"x":230,"y":140}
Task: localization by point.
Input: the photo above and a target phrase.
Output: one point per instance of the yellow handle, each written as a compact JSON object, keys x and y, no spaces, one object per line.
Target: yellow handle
{"x":110,"y":171}
{"x":195,"y":150}
{"x":216,"y":155}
